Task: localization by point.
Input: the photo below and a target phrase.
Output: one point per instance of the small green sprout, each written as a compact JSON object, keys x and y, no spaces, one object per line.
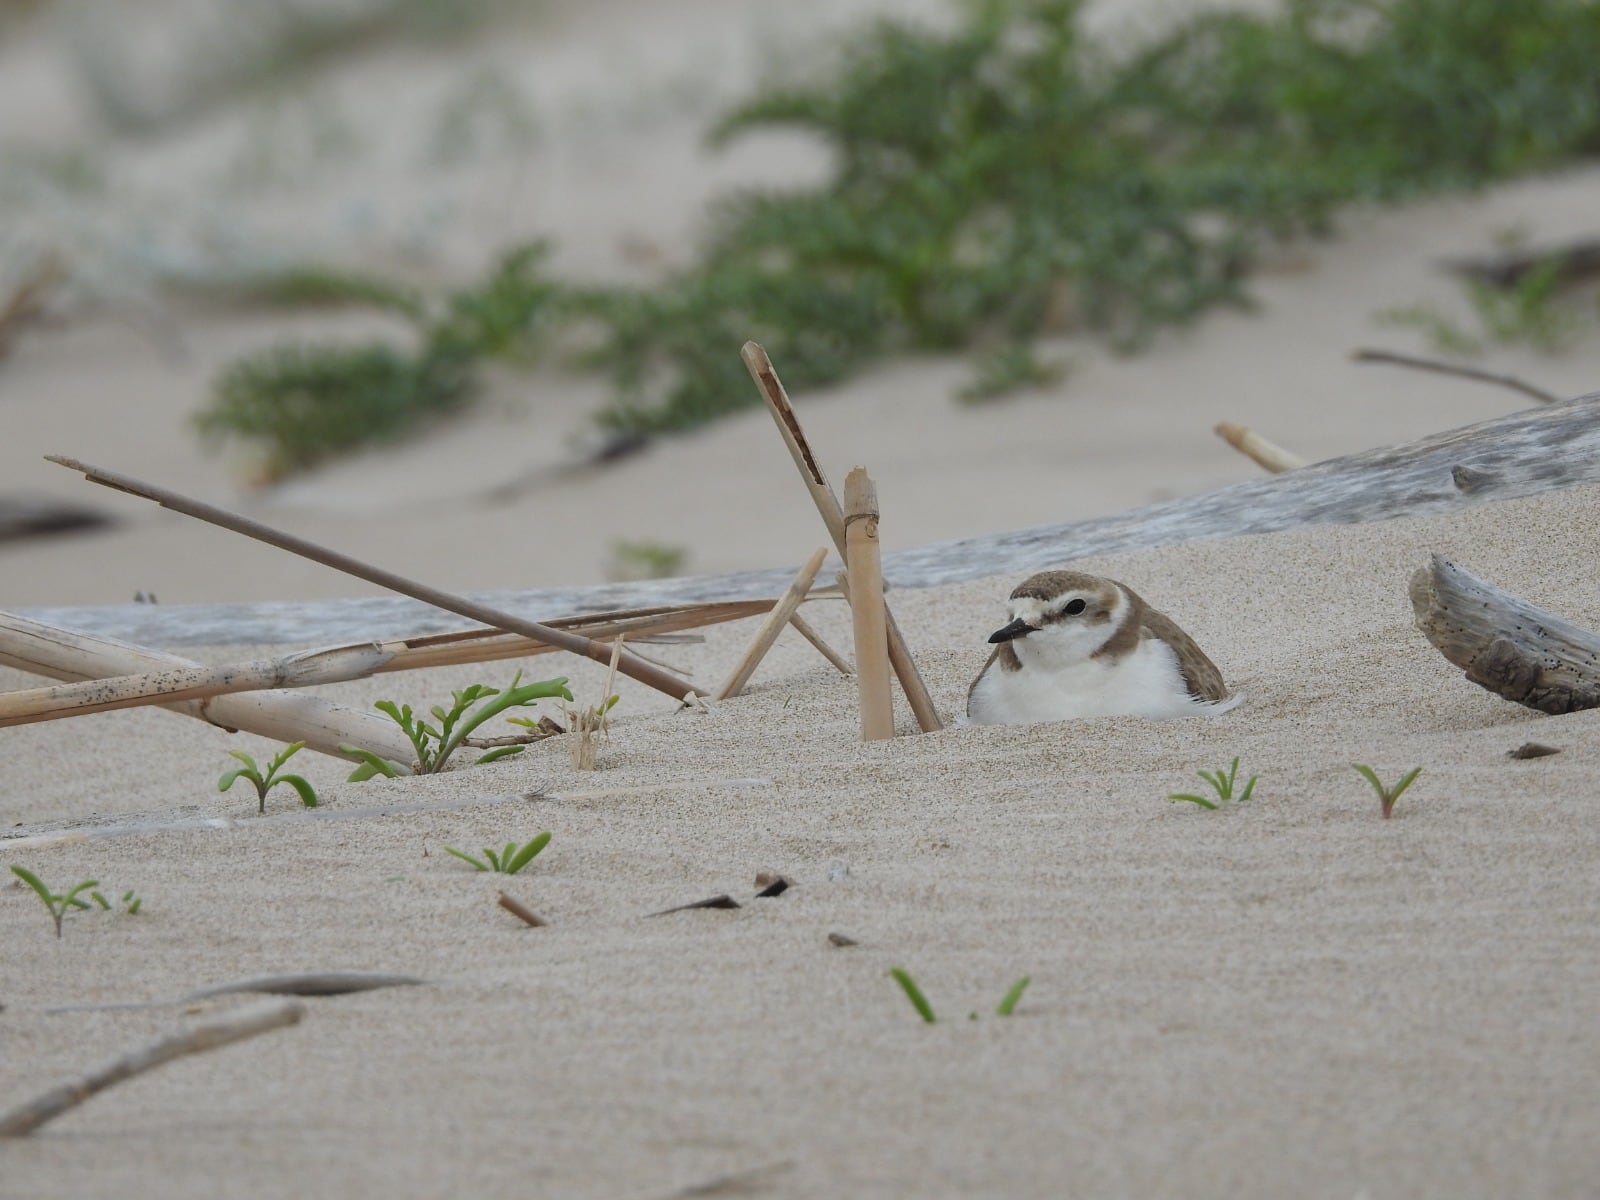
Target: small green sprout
{"x":510,"y":860}
{"x":265,"y":781}
{"x":925,"y":1010}
{"x":914,"y":994}
{"x":58,"y":905}
{"x":1387,"y":796}
{"x":469,"y":708}
{"x":1011,"y":997}
{"x":1223,"y":786}
{"x":130,"y":902}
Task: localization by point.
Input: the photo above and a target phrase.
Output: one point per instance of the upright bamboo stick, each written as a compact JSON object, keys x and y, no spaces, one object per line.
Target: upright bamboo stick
{"x":772,"y":626}
{"x":635,"y":668}
{"x":868,"y":613}
{"x":772,"y":390}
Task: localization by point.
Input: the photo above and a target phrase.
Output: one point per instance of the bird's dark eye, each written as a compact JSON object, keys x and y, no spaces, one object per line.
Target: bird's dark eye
{"x":1074,"y":607}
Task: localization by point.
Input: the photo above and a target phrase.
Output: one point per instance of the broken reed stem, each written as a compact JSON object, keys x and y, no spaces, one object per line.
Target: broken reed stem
{"x":645,"y":673}
{"x":285,"y":716}
{"x":777,"y":399}
{"x":786,"y":608}
{"x":867,"y":611}
{"x":189,"y":683}
{"x":518,"y":909}
{"x":247,"y":1022}
{"x":590,"y":724}
{"x":1255,"y":447}
{"x":803,"y":628}
{"x":1463,"y":372}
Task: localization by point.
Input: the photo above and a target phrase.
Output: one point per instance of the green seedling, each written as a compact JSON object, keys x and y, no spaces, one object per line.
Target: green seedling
{"x":1386,"y":795}
{"x":265,"y":781}
{"x":914,"y":994}
{"x":470,"y":707}
{"x":925,"y":1010}
{"x":1011,"y":997}
{"x":58,"y":905}
{"x":130,"y":902}
{"x":509,"y":861}
{"x":1222,"y":784}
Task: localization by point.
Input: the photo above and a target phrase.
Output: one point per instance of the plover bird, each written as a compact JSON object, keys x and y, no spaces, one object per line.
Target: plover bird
{"x":1082,"y":646}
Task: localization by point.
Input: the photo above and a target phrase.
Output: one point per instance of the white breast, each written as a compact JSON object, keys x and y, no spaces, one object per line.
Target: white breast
{"x":1143,"y":683}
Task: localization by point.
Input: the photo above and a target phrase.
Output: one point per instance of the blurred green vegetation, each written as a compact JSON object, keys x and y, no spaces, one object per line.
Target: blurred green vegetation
{"x":1010,"y":177}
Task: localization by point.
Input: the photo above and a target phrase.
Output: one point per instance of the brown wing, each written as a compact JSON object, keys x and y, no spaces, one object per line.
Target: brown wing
{"x":1199,"y":672}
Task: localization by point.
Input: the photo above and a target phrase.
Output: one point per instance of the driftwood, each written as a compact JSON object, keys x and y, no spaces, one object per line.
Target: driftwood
{"x":1268,"y":455}
{"x":1505,"y":644}
{"x":816,"y":481}
{"x":208,"y":1035}
{"x":1522,"y":454}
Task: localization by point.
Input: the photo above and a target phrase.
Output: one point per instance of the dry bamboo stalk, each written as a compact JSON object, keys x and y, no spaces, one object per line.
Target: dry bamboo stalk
{"x":803,"y":628}
{"x":304,"y":669}
{"x":761,"y":370}
{"x":208,"y":1035}
{"x":1253,"y":446}
{"x":332,"y":664}
{"x":867,"y":611}
{"x":489,"y":645}
{"x":786,"y":608}
{"x":645,"y":673}
{"x":57,"y":653}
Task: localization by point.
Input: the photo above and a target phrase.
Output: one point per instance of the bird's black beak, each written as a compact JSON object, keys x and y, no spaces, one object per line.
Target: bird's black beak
{"x":1017,"y":628}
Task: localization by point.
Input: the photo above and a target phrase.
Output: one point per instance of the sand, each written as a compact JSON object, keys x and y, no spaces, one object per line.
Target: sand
{"x":1290,"y":996}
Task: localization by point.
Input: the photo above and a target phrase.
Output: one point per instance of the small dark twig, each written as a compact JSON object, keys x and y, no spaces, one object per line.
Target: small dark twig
{"x":722,"y":901}
{"x":1445,"y":368}
{"x":1533,"y":750}
{"x":518,"y":909}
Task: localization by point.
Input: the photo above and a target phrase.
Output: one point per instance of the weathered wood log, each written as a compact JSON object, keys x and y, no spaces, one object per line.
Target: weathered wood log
{"x":1505,"y":644}
{"x":1522,"y":454}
